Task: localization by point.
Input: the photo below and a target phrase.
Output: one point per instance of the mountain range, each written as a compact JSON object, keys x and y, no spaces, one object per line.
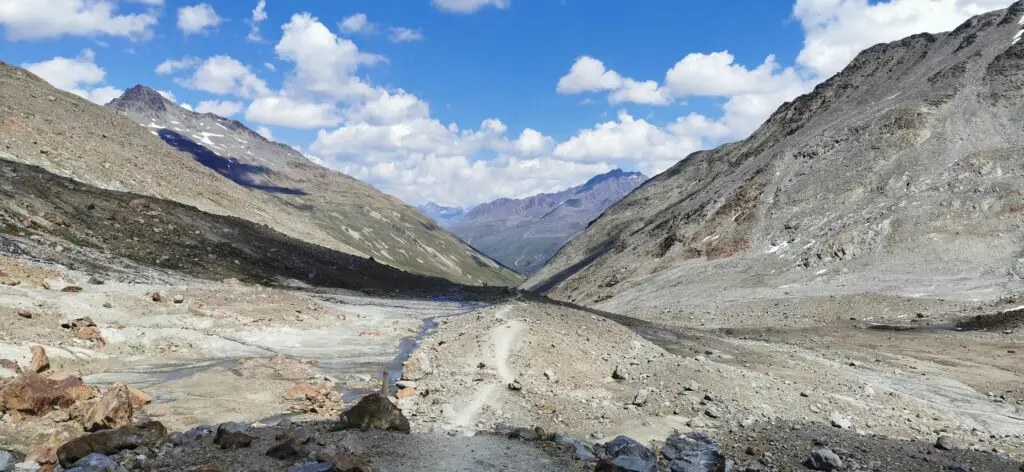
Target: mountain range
{"x":524,"y":233}
{"x":221,"y":167}
{"x":902,"y":174}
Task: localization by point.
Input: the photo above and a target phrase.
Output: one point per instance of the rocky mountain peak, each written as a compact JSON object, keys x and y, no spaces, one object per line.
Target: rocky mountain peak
{"x":141,"y":97}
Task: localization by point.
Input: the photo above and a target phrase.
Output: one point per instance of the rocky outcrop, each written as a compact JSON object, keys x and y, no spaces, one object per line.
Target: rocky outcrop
{"x":375,"y":411}
{"x":113,"y":410}
{"x":35,"y":395}
{"x":111,"y":441}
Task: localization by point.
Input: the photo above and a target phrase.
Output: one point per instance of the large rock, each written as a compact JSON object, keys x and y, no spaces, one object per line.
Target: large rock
{"x":417,"y":367}
{"x":111,"y":441}
{"x":36,"y":395}
{"x":628,"y":455}
{"x":346,"y":462}
{"x":694,"y":452}
{"x":40,"y":361}
{"x":114,"y":410}
{"x":6,"y":461}
{"x":823,"y":459}
{"x":96,"y":463}
{"x":375,"y":411}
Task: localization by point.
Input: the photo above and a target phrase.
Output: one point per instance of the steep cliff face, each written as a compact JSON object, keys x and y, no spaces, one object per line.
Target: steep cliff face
{"x":902,"y":173}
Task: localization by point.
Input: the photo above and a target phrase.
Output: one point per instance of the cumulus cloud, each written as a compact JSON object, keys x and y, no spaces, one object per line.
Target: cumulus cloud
{"x":357,"y":23}
{"x":196,"y":19}
{"x":259,"y":15}
{"x":79,"y":75}
{"x":588,"y":75}
{"x":324,"y":62}
{"x":836,"y":30}
{"x":405,"y":35}
{"x":168,"y":95}
{"x":217,"y":107}
{"x":468,"y":6}
{"x":224,"y":75}
{"x":284,"y":111}
{"x":171,"y":66}
{"x":185,"y":106}
{"x":39,"y":19}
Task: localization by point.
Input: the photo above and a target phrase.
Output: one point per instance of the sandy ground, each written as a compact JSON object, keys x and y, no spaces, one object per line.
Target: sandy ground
{"x":900,"y":389}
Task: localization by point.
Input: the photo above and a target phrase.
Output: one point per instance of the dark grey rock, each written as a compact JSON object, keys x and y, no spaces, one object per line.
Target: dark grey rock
{"x":630,"y":455}
{"x":694,"y":452}
{"x":96,"y":463}
{"x":824,"y":459}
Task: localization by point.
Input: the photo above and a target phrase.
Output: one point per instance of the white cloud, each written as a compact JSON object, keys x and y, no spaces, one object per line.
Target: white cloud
{"x":357,"y":23}
{"x":171,"y":66}
{"x":185,"y":106}
{"x":405,"y":35}
{"x":226,"y":75}
{"x":588,"y":75}
{"x":717,"y":75}
{"x":38,"y":19}
{"x":627,"y":139}
{"x":836,"y":30}
{"x":259,"y":15}
{"x":283,"y":111}
{"x":77,"y":75}
{"x":468,"y":6}
{"x":270,"y":67}
{"x":168,"y":95}
{"x":217,"y":107}
{"x":266,"y":133}
{"x":324,"y":62}
{"x":533,"y":142}
{"x":645,"y":93}
{"x":196,"y":19}
{"x":389,"y":108}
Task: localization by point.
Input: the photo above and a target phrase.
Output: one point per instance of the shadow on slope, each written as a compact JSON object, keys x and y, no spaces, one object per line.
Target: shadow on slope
{"x":240,"y":173}
{"x":172,"y":236}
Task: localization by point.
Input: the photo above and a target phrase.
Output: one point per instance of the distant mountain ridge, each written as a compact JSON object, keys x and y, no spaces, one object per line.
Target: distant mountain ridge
{"x":326,"y":207}
{"x":524,"y":233}
{"x":444,"y":215}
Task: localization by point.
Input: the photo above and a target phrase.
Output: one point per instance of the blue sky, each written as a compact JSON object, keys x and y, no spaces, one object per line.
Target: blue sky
{"x":464,"y":101}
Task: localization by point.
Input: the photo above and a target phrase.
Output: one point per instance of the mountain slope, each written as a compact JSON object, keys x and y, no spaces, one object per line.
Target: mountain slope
{"x":904,"y":174}
{"x":274,"y":185}
{"x":525,"y":233}
{"x":349,"y":215}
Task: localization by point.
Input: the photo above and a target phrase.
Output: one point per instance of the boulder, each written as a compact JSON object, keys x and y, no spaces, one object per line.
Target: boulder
{"x":641,"y":397}
{"x":626,"y":454}
{"x":823,"y":459}
{"x":694,"y":452}
{"x":375,"y":411}
{"x":139,"y":398}
{"x":945,"y":443}
{"x":83,"y":322}
{"x":620,"y":373}
{"x":36,"y":395}
{"x":224,"y":429}
{"x":40,"y":361}
{"x":96,"y":463}
{"x":114,"y":410}
{"x":289,"y":449}
{"x":235,"y":440}
{"x":417,"y":367}
{"x":6,"y":461}
{"x":406,"y":393}
{"x":111,"y":441}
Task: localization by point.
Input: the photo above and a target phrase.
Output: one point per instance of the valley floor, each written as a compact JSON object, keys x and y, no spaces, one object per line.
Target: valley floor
{"x":769,"y":380}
